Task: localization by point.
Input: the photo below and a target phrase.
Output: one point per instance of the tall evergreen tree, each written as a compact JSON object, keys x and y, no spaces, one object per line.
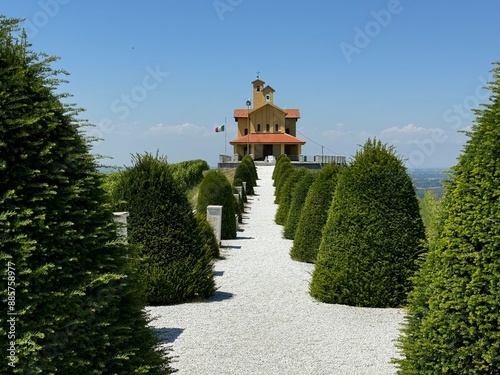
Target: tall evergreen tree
{"x":373,"y":233}
{"x":77,"y":304}
{"x":286,"y":197}
{"x":314,"y":214}
{"x":453,"y":311}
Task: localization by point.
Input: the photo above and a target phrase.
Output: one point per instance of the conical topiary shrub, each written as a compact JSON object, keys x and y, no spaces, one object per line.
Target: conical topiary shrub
{"x":373,"y":233}
{"x":286,"y":170}
{"x":208,"y":237}
{"x":453,"y":311}
{"x":215,"y":189}
{"x":176,"y":267}
{"x":314,"y":214}
{"x":279,"y":160}
{"x":283,"y":163}
{"x":244,"y":173}
{"x":72,"y":292}
{"x":249,"y":160}
{"x":287,"y":194}
{"x":299,"y":195}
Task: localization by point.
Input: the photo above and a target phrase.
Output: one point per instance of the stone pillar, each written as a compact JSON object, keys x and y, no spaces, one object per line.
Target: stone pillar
{"x":238,"y":199}
{"x":121,"y":220}
{"x":240,"y":192}
{"x":214,"y":217}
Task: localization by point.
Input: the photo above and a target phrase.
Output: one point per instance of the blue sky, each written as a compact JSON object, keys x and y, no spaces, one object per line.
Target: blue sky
{"x":161,"y":75}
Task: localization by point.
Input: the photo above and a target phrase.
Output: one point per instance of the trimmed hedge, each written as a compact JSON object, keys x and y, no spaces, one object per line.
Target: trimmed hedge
{"x":79,"y":307}
{"x":208,"y":237}
{"x":176,"y":267}
{"x":298,"y":200}
{"x":189,"y":173}
{"x":249,"y":160}
{"x":373,"y":233}
{"x":279,"y":160}
{"x":244,"y":173}
{"x":453,"y":311}
{"x":284,"y":174}
{"x":314,"y":214}
{"x":283,"y":162}
{"x":287,"y":194}
{"x":215,"y":189}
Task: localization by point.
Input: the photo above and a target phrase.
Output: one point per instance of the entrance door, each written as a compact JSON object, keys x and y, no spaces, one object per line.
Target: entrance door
{"x":268,"y":150}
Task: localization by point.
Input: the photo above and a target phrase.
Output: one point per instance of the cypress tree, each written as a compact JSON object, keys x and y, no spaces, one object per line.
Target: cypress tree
{"x":298,"y":199}
{"x":314,"y":214}
{"x":78,"y":307}
{"x":215,"y":189}
{"x":453,"y":311}
{"x":371,"y":239}
{"x":249,"y":160}
{"x":283,"y":162}
{"x":175,"y":267}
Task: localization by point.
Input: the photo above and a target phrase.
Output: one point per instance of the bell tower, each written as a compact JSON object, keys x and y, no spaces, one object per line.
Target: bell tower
{"x":258,"y":93}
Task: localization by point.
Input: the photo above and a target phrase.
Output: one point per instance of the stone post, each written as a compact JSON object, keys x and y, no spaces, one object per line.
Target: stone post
{"x":214,"y":217}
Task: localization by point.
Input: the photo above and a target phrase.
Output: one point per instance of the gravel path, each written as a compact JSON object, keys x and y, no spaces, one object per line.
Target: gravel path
{"x":262,"y":319}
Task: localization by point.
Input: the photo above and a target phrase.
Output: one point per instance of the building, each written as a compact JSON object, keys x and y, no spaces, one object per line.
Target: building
{"x":265,"y":129}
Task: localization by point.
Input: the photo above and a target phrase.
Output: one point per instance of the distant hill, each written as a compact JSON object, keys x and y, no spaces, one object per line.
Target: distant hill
{"x":428,"y":179}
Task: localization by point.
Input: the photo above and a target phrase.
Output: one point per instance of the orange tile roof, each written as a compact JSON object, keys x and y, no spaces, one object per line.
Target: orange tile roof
{"x":268,"y":138}
{"x":290,"y":113}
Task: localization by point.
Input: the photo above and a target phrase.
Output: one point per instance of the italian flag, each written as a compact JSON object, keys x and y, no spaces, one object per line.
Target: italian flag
{"x":219,"y":129}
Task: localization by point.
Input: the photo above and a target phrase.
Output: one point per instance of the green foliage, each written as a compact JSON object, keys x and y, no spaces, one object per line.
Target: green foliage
{"x":189,"y":173}
{"x":249,"y":160}
{"x":453,"y":311}
{"x":299,"y":195}
{"x":286,"y":196}
{"x":79,"y":310}
{"x":208,"y":237}
{"x":286,"y":170}
{"x":314,"y":214}
{"x":373,"y":233}
{"x":283,"y":162}
{"x":430,"y":210}
{"x":244,"y":173}
{"x":175,"y":265}
{"x":215,"y":189}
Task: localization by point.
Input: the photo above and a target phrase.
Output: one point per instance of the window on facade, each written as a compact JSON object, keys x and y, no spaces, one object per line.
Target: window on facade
{"x":258,"y":127}
{"x":246,"y":131}
{"x":268,"y":98}
{"x":267,"y":127}
{"x":287,"y":131}
{"x":276,"y":127}
{"x":258,"y":88}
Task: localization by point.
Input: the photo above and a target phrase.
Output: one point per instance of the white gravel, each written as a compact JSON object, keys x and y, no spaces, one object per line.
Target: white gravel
{"x":262,"y":319}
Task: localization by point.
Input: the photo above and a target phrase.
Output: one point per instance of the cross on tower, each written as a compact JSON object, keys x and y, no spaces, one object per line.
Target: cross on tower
{"x":258,"y":74}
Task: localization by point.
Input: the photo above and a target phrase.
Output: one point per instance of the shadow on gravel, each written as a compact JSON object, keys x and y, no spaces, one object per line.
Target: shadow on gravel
{"x":231,"y":247}
{"x":220,"y":296}
{"x":218,"y":273}
{"x":168,"y":335}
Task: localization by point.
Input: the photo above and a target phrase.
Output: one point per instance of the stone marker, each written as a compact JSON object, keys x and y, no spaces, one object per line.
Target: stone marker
{"x":121,"y":219}
{"x":214,"y":217}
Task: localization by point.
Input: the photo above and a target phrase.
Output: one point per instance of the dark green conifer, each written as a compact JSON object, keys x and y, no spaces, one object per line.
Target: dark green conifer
{"x":314,"y":214}
{"x":373,"y":233}
{"x":298,"y":200}
{"x":453,"y":311}
{"x":286,"y":196}
{"x":215,"y":189}
{"x":79,"y":309}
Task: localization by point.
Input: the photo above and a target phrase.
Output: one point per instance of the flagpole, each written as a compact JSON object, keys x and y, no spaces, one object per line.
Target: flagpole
{"x":225,"y":142}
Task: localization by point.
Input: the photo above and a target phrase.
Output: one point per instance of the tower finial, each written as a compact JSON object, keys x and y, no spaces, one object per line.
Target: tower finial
{"x":258,"y":74}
